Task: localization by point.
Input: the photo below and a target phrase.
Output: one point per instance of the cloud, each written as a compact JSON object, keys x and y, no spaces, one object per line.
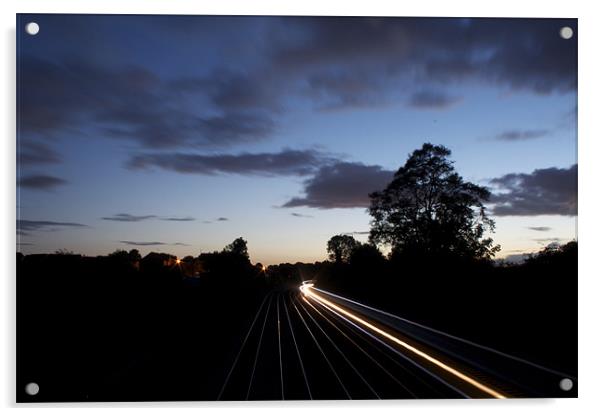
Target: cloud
{"x":285,"y":162}
{"x":345,"y":88}
{"x":523,"y":54}
{"x":183,"y":219}
{"x":235,"y":91}
{"x":432,"y":100}
{"x":342,"y":185}
{"x":127,"y":103}
{"x":551,"y":191}
{"x":41,"y":182}
{"x":334,"y":62}
{"x":34,"y":153}
{"x":542,"y":229}
{"x":352,"y":233}
{"x":521,"y":135}
{"x":128,"y":217}
{"x":151,"y":243}
{"x":143,"y":243}
{"x":24,"y":227}
{"x":299,"y":215}
{"x":239,"y":95}
{"x":237,"y":127}
{"x":137,"y":218}
{"x":219,"y":219}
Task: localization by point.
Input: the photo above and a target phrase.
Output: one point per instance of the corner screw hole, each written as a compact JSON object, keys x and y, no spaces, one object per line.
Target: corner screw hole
{"x":32,"y":28}
{"x":32,"y":389}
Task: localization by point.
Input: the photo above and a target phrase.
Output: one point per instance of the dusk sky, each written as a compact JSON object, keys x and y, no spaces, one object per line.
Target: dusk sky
{"x":181,"y":133}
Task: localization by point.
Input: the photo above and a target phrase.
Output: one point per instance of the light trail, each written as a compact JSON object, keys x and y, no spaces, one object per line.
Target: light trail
{"x":339,"y":351}
{"x":307,"y":291}
{"x":323,"y":353}
{"x":365,"y":335}
{"x":267,"y":312}
{"x":244,"y":342}
{"x":366,"y":353}
{"x":290,"y":325}
{"x":395,"y":351}
{"x":454,"y":337}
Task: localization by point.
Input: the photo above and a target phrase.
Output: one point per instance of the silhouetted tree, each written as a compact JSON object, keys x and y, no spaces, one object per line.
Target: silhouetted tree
{"x":134,"y":255}
{"x":64,"y":252}
{"x":366,"y":255}
{"x":118,"y":253}
{"x":238,"y":247}
{"x":340,"y":248}
{"x":555,"y":254}
{"x":429,"y":209}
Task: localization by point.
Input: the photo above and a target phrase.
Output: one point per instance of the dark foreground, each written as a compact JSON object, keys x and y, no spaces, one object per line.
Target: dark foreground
{"x":99,"y":330}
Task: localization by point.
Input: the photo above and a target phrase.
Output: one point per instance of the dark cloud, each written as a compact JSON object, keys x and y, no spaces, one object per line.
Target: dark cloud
{"x":342,"y":185}
{"x":299,"y":215}
{"x":238,"y":91}
{"x":130,"y":103}
{"x":338,"y":60}
{"x":352,"y":233}
{"x":525,"y":54}
{"x":35,"y":153}
{"x":551,"y":191}
{"x":345,"y":88}
{"x":286,"y":162}
{"x":24,"y":227}
{"x":151,"y":243}
{"x":428,"y":99}
{"x":41,"y":182}
{"x":542,"y":229}
{"x":219,"y":219}
{"x":235,"y":127}
{"x":334,"y":62}
{"x":183,"y":219}
{"x":128,"y":217}
{"x":520,"y":135}
{"x":143,"y":243}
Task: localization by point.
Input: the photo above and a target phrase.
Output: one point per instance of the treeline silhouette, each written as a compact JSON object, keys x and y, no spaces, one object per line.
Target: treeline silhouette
{"x":123,"y":327}
{"x":119,"y":327}
{"x":527,"y":308}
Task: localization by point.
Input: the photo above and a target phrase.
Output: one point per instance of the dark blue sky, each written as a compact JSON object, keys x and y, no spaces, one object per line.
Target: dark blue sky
{"x":181,"y":133}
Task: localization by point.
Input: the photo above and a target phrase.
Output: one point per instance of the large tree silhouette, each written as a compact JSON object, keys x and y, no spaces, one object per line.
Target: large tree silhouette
{"x":340,"y":248}
{"x":238,"y":247}
{"x":428,"y":209}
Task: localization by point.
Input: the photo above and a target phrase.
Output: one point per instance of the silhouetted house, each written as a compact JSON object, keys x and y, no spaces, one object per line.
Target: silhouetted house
{"x":156,"y":261}
{"x":191,"y":267}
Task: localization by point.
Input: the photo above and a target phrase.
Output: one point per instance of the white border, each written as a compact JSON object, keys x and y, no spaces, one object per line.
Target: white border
{"x":590,"y":137}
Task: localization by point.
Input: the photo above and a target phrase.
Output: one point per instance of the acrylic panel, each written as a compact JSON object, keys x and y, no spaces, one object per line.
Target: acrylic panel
{"x":295,"y":208}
